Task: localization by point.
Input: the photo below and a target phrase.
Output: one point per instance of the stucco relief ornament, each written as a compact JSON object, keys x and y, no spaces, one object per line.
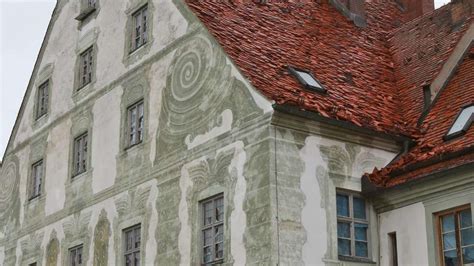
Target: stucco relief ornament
{"x":198,"y":83}
{"x":9,"y":186}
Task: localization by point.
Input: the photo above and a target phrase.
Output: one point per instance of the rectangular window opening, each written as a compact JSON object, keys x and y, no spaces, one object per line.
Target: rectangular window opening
{"x":456,"y":236}
{"x":75,"y":256}
{"x":131,"y":245}
{"x":42,"y":100}
{"x":393,"y":249}
{"x":36,"y":179}
{"x":352,"y":226}
{"x":212,"y":228}
{"x":80,"y":155}
{"x":85,"y":67}
{"x":136,"y":123}
{"x":140,"y":28}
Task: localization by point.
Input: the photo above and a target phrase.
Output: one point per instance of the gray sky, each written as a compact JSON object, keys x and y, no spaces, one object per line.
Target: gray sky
{"x":23,"y":24}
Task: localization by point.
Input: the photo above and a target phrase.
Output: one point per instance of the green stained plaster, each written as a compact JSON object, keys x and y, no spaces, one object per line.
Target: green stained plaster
{"x":52,"y":251}
{"x":101,"y":240}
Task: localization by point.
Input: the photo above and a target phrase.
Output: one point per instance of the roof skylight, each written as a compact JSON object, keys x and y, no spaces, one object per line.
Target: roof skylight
{"x":307,"y":79}
{"x":462,"y":122}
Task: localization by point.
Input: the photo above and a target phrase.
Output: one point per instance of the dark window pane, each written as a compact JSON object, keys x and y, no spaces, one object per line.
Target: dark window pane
{"x":219,"y":233}
{"x":359,"y":208}
{"x":361,"y":249}
{"x":128,"y":260}
{"x":449,"y":241}
{"x":137,"y":258}
{"x":207,"y":254}
{"x":467,"y":236}
{"x":343,"y":229}
{"x":344,"y":247}
{"x":208,"y":209}
{"x":468,"y":255}
{"x":450,"y":258}
{"x":208,"y":237}
{"x":448,"y":223}
{"x":465,"y":218}
{"x":342,"y":205}
{"x":360,"y":231}
{"x":219,"y":251}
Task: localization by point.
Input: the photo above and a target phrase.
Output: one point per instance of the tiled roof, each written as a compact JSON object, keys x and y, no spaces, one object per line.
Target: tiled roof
{"x":373,"y":75}
{"x":432,"y":152}
{"x":353,"y":63}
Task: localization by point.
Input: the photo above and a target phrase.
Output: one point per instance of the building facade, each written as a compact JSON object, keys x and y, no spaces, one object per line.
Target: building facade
{"x":169,"y":132}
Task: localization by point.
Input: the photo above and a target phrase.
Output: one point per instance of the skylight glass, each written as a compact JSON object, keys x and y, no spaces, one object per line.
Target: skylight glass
{"x":463,"y":121}
{"x":309,"y":79}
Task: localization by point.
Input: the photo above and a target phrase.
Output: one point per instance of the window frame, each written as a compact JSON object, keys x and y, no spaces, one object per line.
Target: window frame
{"x":457,"y":230}
{"x":466,"y":127}
{"x":83,"y":136}
{"x":294,"y":71}
{"x":87,"y":9}
{"x":144,"y":28}
{"x":89,"y":53}
{"x":139,"y":131}
{"x":43,"y":87}
{"x":35,"y":188}
{"x":212,"y":226}
{"x":75,"y":249}
{"x":132,"y":251}
{"x":352,"y":221}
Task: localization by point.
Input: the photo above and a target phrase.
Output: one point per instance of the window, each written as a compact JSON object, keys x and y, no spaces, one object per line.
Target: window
{"x":393,"y":249}
{"x":132,"y":241}
{"x":456,"y":237}
{"x":135,"y":123}
{"x":75,"y":256}
{"x":212,"y":230}
{"x":85,"y":67}
{"x":32,"y":264}
{"x":88,"y":7}
{"x":80,"y":154}
{"x":36,"y":179}
{"x":307,"y":79}
{"x":42,"y":100}
{"x":139,"y":31}
{"x":462,"y":123}
{"x":352,"y":225}
{"x":91,"y":3}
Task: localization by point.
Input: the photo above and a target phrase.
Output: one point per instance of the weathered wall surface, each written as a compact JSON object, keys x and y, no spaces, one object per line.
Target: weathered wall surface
{"x":409,"y":223}
{"x":309,"y":164}
{"x":206,"y":132}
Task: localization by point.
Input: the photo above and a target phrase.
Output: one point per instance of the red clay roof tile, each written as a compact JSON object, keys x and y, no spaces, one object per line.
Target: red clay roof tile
{"x":374,"y":75}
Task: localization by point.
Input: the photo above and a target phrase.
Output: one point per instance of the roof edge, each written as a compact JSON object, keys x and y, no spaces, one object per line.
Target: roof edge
{"x":294,"y":110}
{"x":39,"y":58}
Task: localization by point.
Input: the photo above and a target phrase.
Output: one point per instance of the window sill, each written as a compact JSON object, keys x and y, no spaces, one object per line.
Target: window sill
{"x":129,"y":147}
{"x":85,"y":13}
{"x":355,"y":259}
{"x":79,"y":175}
{"x":34,"y":198}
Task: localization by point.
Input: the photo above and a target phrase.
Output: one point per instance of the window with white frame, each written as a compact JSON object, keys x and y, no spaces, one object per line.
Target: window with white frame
{"x":86,"y":59}
{"x":75,"y":256}
{"x":135,"y":117}
{"x":132,"y":240}
{"x":36,"y":179}
{"x":212,"y":229}
{"x":352,"y":226}
{"x":140,"y":28}
{"x":42,"y":99}
{"x":80,"y":154}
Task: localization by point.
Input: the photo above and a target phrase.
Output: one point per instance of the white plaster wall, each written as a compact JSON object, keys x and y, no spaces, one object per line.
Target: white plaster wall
{"x":105,"y":140}
{"x":410,"y":225}
{"x":168,"y":25}
{"x":57,"y":167}
{"x":317,"y":207}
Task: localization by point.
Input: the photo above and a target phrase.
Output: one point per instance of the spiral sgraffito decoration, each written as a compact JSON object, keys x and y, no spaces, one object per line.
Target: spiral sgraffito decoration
{"x":198,"y":82}
{"x":9,"y":185}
